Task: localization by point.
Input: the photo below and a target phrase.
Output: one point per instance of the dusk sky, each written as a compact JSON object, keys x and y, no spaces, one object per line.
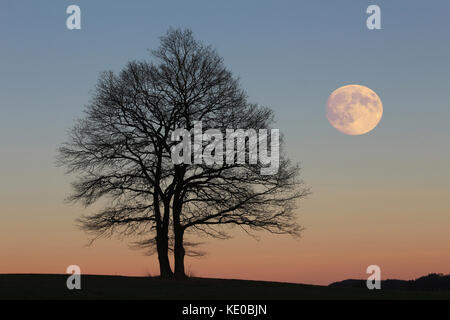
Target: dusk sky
{"x":380,"y":198}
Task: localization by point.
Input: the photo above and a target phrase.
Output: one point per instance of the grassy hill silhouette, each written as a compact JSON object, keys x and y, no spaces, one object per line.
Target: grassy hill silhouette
{"x":431,"y":282}
{"x":52,"y":286}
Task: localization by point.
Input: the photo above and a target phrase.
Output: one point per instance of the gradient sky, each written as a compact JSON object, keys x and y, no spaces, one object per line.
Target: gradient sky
{"x":380,"y":198}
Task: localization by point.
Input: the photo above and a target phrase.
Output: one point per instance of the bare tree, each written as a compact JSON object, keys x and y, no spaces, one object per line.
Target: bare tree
{"x":122,"y":151}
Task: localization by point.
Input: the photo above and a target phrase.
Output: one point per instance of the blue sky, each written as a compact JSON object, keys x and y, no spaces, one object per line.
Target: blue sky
{"x":289,"y":55}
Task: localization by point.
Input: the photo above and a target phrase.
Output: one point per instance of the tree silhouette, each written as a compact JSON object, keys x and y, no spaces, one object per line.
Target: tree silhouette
{"x":122,"y":148}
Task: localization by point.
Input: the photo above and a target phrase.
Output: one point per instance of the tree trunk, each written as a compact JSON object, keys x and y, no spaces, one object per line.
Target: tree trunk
{"x":179,"y":254}
{"x":162,"y":244}
{"x":178,"y":230}
{"x":162,"y":238}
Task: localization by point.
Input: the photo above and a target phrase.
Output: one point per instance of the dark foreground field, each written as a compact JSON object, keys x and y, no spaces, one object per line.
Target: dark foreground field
{"x":40,"y":286}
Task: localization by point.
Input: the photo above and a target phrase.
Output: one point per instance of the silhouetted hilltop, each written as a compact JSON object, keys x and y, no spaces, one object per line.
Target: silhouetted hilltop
{"x":94,"y":287}
{"x":431,"y":282}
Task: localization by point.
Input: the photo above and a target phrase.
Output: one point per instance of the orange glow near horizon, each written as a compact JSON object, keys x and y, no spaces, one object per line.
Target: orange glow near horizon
{"x":340,"y":240}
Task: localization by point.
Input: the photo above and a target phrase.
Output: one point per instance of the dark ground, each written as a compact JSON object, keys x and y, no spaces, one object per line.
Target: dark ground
{"x":430,"y":282}
{"x":40,"y":286}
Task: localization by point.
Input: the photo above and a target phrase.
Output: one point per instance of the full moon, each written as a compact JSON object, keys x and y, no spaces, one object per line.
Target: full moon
{"x":354,"y":109}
